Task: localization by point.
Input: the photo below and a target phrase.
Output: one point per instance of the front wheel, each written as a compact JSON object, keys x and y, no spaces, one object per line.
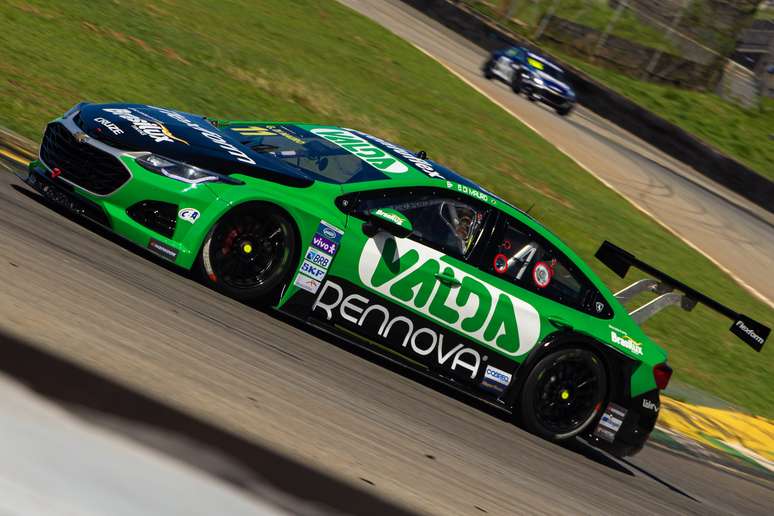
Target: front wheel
{"x":489,"y":69}
{"x":516,"y":82}
{"x":563,"y":394}
{"x":249,"y":253}
{"x":564,"y":111}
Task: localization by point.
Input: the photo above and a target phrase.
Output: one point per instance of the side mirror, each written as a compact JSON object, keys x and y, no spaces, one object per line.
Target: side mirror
{"x":388,"y":220}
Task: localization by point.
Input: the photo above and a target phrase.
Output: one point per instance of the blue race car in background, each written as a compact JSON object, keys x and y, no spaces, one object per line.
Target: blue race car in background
{"x":534,"y":75}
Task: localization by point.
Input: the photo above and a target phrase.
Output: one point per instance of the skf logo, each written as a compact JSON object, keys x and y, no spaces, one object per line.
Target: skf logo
{"x":56,"y":173}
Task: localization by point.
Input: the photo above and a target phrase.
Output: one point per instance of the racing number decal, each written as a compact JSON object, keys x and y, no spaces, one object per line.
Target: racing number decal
{"x":253,"y":130}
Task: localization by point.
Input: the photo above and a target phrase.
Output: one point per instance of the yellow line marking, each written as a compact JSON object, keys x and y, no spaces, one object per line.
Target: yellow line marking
{"x":19,"y":159}
{"x":647,"y":212}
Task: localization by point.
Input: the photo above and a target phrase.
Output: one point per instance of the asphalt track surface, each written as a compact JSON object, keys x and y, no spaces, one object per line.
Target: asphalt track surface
{"x":736,"y":234}
{"x":75,"y":291}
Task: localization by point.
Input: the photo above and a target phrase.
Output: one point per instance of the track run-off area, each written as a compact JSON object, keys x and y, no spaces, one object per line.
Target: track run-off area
{"x":76,"y":292}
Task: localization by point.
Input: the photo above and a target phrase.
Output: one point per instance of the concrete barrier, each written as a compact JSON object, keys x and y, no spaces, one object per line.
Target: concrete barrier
{"x":608,"y":104}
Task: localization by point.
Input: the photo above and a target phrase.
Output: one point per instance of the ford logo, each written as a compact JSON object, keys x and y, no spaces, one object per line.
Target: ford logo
{"x":328,"y":232}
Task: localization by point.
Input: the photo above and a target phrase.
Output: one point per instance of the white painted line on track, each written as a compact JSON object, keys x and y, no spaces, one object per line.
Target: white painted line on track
{"x":690,"y":244}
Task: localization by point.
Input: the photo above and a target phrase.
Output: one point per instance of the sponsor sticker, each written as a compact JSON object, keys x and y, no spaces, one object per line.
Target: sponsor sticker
{"x":495,"y":379}
{"x":312,"y":270}
{"x":650,"y":405}
{"x":610,"y":422}
{"x":500,"y":263}
{"x":361,"y":148}
{"x":316,"y":257}
{"x":400,"y":331}
{"x":307,"y":283}
{"x":322,"y":243}
{"x":626,"y":342}
{"x":153,"y":130}
{"x":162,"y":249}
{"x":188,"y":214}
{"x":542,"y":274}
{"x":404,"y":272}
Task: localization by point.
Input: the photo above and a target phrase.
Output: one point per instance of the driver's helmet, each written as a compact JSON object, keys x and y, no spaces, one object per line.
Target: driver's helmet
{"x":462,"y":220}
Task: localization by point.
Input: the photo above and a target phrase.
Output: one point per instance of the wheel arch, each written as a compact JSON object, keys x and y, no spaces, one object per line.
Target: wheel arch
{"x":617,"y":366}
{"x":262,"y":204}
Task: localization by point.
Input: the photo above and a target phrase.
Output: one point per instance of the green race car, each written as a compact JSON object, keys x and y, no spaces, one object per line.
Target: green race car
{"x":382,"y":247}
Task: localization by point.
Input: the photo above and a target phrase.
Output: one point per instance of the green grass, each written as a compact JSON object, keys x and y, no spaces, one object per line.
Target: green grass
{"x":310,"y":60}
{"x":765,"y":14}
{"x":595,"y":14}
{"x":744,"y":134}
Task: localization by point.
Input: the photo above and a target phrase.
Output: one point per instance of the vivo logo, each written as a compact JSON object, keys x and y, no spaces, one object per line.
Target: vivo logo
{"x":324,"y":244}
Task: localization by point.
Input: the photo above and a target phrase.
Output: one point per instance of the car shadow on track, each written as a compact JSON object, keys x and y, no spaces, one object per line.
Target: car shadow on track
{"x":577,"y":446}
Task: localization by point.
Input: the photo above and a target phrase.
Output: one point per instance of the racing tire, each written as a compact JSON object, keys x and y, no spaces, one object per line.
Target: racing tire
{"x":516,"y":83}
{"x":563,"y":394}
{"x":563,"y":111}
{"x":249,"y":254}
{"x":488,"y":72}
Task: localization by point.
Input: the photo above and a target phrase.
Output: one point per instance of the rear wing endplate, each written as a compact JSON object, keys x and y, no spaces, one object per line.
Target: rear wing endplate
{"x":673,"y":292}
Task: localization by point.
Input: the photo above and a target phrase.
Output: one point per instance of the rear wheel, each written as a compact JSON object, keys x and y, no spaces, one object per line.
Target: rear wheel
{"x":249,"y":253}
{"x":563,"y":394}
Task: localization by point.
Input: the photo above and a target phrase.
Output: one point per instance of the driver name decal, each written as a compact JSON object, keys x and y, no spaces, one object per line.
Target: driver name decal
{"x":364,"y":150}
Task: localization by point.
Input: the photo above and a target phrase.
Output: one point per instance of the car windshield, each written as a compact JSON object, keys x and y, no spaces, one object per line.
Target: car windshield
{"x":545,"y":67}
{"x":306,"y":151}
{"x":554,"y":72}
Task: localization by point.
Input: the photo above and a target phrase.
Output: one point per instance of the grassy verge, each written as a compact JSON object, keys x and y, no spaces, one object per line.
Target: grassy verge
{"x":591,"y":13}
{"x":745,"y":134}
{"x":317,"y":61}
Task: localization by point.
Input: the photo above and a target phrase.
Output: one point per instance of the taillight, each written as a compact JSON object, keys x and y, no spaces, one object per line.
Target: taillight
{"x":662,"y":373}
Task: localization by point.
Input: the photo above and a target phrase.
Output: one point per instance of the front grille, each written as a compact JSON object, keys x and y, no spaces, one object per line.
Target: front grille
{"x":158,"y":216}
{"x":80,"y":163}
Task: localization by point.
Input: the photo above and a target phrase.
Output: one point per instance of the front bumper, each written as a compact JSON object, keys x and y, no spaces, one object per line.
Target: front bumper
{"x":93,"y":179}
{"x":549,"y":96}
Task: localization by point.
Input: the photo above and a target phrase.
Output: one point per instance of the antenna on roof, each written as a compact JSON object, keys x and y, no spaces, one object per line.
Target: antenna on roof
{"x":532,"y":206}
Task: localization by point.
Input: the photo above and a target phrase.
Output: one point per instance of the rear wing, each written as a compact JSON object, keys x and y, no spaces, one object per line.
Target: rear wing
{"x":673,"y":292}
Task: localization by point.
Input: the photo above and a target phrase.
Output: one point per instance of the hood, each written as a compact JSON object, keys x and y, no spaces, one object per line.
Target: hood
{"x":183,"y":137}
{"x":553,"y":84}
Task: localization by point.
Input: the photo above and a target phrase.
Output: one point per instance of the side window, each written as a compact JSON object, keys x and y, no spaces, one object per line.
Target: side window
{"x":448,"y":224}
{"x":532,"y":263}
{"x":512,"y":52}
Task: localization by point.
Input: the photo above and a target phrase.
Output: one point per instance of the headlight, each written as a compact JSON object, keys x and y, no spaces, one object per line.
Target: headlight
{"x":538,"y":81}
{"x":182,"y":171}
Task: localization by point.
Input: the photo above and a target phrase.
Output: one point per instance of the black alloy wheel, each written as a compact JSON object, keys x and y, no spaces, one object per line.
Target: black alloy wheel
{"x":564,"y":110}
{"x":249,"y":253}
{"x":488,"y":69}
{"x":516,"y":83}
{"x":563,"y":394}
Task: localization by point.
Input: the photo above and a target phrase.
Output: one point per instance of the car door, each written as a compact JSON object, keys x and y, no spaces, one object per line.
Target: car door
{"x":523,"y":262}
{"x":422,"y":296}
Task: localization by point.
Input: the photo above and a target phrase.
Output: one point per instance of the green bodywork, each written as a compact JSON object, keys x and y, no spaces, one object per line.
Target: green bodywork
{"x":503,"y":310}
